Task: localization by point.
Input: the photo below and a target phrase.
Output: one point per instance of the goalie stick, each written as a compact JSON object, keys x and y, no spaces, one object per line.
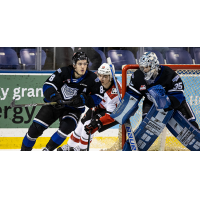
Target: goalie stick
{"x":127,"y":125}
{"x":13,"y":105}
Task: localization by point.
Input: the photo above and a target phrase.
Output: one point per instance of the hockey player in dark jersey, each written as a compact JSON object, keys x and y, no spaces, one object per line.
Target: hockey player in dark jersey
{"x":75,"y":83}
{"x":100,"y":120}
{"x":146,"y":82}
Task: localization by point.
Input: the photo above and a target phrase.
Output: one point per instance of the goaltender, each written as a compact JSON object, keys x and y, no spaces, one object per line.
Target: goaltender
{"x":164,"y":105}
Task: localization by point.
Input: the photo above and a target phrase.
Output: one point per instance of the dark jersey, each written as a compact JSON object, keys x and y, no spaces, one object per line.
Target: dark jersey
{"x":63,"y":81}
{"x":168,"y":78}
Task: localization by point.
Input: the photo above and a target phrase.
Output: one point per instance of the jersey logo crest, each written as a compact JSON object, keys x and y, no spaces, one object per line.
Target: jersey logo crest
{"x":84,"y":90}
{"x":114,"y":91}
{"x":143,"y":87}
{"x":68,"y":92}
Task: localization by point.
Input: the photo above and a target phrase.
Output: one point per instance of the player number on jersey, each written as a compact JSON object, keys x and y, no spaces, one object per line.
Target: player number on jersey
{"x":101,"y":89}
{"x":178,"y":86}
{"x":52,"y":77}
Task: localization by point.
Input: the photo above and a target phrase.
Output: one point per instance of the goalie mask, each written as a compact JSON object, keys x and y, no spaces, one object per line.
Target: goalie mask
{"x":149,"y":59}
{"x":104,"y":69}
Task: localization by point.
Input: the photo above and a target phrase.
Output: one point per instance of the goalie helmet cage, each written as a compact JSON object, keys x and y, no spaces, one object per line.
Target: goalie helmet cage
{"x":190,"y":75}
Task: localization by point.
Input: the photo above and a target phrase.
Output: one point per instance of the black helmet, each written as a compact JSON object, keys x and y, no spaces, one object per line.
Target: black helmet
{"x":79,"y":56}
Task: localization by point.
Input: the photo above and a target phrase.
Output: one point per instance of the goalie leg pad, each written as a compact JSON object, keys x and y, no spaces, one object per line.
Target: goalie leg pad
{"x":126,"y":108}
{"x":151,"y":127}
{"x":184,"y":131}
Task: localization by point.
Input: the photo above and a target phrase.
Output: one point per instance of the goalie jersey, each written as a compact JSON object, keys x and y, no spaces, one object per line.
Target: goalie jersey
{"x":110,"y":102}
{"x":64,"y":82}
{"x":166,"y":77}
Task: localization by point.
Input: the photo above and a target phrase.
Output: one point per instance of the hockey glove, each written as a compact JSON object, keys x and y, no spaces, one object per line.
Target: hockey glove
{"x":79,"y":100}
{"x":93,"y":126}
{"x":56,"y":97}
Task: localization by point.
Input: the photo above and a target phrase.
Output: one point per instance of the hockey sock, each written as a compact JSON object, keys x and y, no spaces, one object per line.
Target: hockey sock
{"x":75,"y":136}
{"x":28,"y":143}
{"x":24,"y":148}
{"x":51,"y":145}
{"x":73,"y":140}
{"x":56,"y":140}
{"x":84,"y":137}
{"x":83,"y":144}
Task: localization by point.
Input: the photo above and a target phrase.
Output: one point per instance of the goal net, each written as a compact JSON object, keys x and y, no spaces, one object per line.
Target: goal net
{"x":190,"y":75}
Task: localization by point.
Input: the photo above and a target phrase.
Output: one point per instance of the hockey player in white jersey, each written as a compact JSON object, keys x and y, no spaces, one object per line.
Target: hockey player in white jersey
{"x":101,"y":119}
{"x":164,"y":105}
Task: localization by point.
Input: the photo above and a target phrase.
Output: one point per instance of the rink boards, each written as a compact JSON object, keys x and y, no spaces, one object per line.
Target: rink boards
{"x":27,"y":89}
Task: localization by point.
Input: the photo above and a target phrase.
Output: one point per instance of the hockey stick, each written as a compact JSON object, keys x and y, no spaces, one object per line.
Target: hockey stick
{"x":90,"y":132}
{"x":13,"y":105}
{"x":127,"y":125}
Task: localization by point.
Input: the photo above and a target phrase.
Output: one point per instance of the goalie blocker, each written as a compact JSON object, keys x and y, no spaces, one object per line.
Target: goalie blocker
{"x":126,"y":108}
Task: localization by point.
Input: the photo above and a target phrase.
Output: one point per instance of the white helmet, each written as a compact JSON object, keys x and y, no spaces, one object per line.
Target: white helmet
{"x":149,"y":59}
{"x":105,"y":70}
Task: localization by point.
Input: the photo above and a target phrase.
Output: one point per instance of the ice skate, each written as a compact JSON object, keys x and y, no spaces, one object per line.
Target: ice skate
{"x":65,"y":148}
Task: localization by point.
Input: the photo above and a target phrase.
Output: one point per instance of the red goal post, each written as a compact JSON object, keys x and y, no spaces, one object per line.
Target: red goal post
{"x":132,"y":67}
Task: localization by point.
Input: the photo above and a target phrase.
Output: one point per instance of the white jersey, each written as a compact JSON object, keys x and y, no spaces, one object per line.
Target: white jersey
{"x":111,"y":99}
{"x":110,"y":102}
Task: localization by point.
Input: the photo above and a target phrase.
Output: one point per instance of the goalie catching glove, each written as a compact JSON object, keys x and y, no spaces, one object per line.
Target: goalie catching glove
{"x":95,"y":125}
{"x":159,"y":98}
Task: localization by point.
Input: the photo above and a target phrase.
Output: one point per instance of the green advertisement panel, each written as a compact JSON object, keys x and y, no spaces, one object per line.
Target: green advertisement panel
{"x":26,"y":89}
